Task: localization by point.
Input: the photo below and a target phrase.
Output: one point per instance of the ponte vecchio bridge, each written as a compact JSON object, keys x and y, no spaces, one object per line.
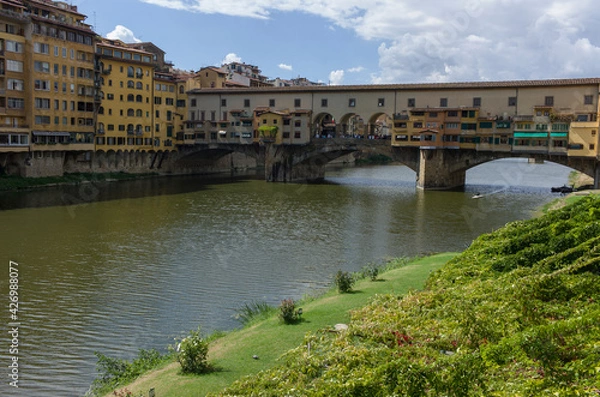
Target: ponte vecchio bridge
{"x":438,"y":130}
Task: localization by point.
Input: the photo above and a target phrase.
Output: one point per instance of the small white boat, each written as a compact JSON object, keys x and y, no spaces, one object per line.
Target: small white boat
{"x":477,"y":196}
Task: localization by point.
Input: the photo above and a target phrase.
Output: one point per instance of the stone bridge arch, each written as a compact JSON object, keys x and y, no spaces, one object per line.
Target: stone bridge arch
{"x":380,"y":126}
{"x":444,"y":169}
{"x":324,"y":125}
{"x":214,"y":157}
{"x":352,"y":125}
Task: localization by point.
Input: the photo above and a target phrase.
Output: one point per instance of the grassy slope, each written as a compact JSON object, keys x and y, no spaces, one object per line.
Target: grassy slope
{"x":517,"y":314}
{"x":269,"y":339}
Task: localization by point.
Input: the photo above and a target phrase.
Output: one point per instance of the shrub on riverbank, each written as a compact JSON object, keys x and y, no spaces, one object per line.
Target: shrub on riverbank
{"x":515,"y":314}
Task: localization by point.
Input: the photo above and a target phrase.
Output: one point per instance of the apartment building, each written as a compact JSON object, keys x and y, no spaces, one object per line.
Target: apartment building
{"x":125,"y":117}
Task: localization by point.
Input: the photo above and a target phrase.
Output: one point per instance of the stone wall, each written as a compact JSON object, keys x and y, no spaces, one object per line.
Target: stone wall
{"x":57,"y":163}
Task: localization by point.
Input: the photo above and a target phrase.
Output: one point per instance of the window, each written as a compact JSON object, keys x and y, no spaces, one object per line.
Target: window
{"x":41,"y":48}
{"x":477,"y":102}
{"x":592,"y":146}
{"x":485,"y":124}
{"x":297,"y":103}
{"x":42,"y":119}
{"x":246,"y":103}
{"x":16,"y":103}
{"x":130,"y":71}
{"x":297,"y":135}
{"x":193,"y":103}
{"x":380,"y":102}
{"x":411,"y":102}
{"x":130,"y":84}
{"x":512,"y":101}
{"x":588,"y":99}
{"x":14,"y":46}
{"x":452,"y":113}
{"x":14,"y":66}
{"x":582,"y":117}
{"x":42,"y":103}
{"x":352,"y":102}
{"x":224,"y":102}
{"x":323,"y":102}
{"x":297,"y":123}
{"x":549,"y":101}
{"x":271,"y":102}
{"x":14,"y":84}
{"x":139,"y":98}
{"x":43,"y":85}
{"x":443,"y":102}
{"x":417,"y":124}
{"x":40,"y":66}
{"x":157,"y":100}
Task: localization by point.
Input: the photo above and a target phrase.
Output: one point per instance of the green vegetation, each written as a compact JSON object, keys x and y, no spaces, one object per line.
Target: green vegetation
{"x":374,"y":159}
{"x":344,"y":281}
{"x":9,"y":182}
{"x":114,"y":372}
{"x":288,"y":312}
{"x":192,"y":353}
{"x":517,"y":314}
{"x":259,"y":345}
{"x":253,"y":311}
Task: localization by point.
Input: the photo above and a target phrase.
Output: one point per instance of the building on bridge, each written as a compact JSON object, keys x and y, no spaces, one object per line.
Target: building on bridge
{"x":543,"y":116}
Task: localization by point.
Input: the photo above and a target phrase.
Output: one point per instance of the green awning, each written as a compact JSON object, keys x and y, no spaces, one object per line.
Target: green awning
{"x":558,"y":134}
{"x":530,"y":135}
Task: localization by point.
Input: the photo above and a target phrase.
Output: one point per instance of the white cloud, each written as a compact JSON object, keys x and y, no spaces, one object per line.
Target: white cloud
{"x":124,"y":34}
{"x":285,"y":67}
{"x":336,"y":77}
{"x":357,"y":69}
{"x":231,"y":57}
{"x":450,"y":41}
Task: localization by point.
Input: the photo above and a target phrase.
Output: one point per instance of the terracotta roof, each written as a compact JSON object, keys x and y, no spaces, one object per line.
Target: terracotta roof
{"x":414,"y":86}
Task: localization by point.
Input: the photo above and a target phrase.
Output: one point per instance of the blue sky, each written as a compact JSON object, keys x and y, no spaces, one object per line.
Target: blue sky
{"x":366,"y":41}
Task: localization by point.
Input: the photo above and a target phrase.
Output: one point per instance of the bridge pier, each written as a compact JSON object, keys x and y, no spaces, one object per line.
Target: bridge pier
{"x":597,"y":175}
{"x":280,"y":166}
{"x":437,"y":170}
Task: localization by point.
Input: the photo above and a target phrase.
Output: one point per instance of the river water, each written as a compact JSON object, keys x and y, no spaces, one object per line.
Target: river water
{"x":115,"y":267}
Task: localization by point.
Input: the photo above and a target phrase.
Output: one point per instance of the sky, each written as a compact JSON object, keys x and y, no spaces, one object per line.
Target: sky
{"x":366,"y":41}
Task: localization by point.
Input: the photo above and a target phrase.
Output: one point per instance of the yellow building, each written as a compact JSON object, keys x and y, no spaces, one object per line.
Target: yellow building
{"x":126,"y":116}
{"x":61,"y":62}
{"x":167,"y":118}
{"x":14,"y":81}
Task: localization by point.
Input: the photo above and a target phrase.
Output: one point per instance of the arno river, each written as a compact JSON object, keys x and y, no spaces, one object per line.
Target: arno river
{"x":115,"y":267}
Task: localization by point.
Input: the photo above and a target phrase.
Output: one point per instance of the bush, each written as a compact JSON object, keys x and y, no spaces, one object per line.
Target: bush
{"x":192,"y":353}
{"x":371,"y":271}
{"x":344,"y":281}
{"x":114,"y":372}
{"x":287,"y":311}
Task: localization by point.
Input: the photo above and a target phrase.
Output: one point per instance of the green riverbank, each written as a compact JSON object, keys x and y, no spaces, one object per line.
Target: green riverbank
{"x":232,"y":354}
{"x":10,"y":183}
